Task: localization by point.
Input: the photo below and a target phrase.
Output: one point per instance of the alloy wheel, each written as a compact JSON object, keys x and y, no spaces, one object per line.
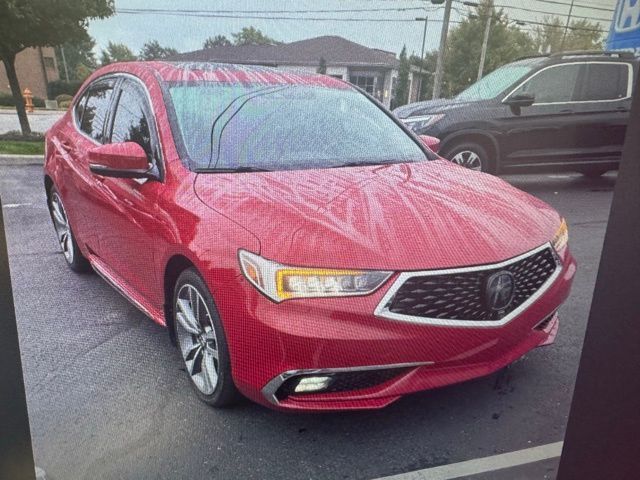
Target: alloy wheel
{"x":61,"y":225}
{"x":197,"y":339}
{"x":468,"y":159}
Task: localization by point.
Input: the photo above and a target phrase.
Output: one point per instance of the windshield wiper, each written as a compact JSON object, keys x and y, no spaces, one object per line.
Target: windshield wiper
{"x":363,"y":164}
{"x":230,"y":170}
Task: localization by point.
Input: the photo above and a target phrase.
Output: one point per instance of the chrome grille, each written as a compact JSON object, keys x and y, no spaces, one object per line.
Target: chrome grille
{"x":461,"y":295}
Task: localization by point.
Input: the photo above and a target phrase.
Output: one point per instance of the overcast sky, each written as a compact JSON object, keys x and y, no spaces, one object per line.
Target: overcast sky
{"x":187,"y":33}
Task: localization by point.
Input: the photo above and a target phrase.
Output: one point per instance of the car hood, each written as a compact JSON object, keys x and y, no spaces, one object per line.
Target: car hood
{"x":431,"y":107}
{"x":417,"y":216}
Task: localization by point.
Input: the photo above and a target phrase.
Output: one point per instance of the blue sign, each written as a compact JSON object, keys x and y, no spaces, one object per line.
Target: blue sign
{"x":625,"y":28}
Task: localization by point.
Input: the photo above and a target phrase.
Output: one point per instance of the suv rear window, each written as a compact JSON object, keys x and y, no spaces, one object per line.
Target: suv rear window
{"x":605,"y":81}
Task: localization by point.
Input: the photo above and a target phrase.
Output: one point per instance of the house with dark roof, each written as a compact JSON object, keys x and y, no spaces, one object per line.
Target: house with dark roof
{"x":373,"y":70}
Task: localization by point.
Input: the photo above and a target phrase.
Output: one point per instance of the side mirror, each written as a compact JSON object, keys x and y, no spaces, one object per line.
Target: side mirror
{"x":120,"y":160}
{"x":521,"y":100}
{"x":432,"y":143}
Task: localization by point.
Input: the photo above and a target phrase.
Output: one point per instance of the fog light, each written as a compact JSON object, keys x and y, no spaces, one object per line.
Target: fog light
{"x":312,"y":384}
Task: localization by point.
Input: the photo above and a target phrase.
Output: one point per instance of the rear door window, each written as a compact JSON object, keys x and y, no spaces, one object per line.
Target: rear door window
{"x":96,"y":109}
{"x":605,"y":81}
{"x":555,"y":84}
{"x":131,"y":118}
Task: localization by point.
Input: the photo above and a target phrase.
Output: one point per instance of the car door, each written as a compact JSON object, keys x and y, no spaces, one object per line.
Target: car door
{"x":126,"y":218}
{"x":601,"y":112}
{"x":74,"y":179}
{"x":544,"y":133}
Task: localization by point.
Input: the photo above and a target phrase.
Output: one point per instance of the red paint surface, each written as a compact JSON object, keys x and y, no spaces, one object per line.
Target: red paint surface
{"x":419,"y":216}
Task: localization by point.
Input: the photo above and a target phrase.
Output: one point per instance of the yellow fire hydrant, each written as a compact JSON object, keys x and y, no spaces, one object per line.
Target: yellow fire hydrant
{"x":28,"y":100}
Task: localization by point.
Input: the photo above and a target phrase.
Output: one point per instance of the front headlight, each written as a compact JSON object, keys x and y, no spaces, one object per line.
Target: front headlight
{"x":423,"y":121}
{"x":561,"y":238}
{"x":280,"y":282}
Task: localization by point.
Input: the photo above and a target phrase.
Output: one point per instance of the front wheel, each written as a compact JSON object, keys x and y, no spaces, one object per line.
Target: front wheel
{"x":202,"y":342}
{"x":72,"y":254}
{"x":471,"y":156}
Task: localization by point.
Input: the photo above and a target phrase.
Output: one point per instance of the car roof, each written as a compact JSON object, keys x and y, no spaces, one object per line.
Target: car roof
{"x":196,"y":72}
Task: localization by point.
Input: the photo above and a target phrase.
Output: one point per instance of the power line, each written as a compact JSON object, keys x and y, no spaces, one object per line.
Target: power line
{"x":258,"y":17}
{"x":546,"y":12}
{"x":528,"y":22}
{"x":235,"y":15}
{"x":216,"y":11}
{"x":579,"y":5}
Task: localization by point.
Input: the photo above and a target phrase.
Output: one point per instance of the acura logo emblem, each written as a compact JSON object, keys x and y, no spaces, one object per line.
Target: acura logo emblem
{"x":500,"y":289}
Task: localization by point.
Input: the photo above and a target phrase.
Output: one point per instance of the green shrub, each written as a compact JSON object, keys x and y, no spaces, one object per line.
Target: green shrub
{"x":59,"y":87}
{"x":63,"y":97}
{"x":16,"y":136}
{"x":64,"y":104}
{"x":6,"y":100}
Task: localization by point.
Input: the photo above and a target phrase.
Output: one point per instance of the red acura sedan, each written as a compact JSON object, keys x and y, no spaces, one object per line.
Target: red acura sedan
{"x":301,"y":246}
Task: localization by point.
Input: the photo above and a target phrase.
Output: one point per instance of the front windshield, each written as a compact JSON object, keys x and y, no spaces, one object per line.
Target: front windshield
{"x":284,"y":127}
{"x":499,"y":80}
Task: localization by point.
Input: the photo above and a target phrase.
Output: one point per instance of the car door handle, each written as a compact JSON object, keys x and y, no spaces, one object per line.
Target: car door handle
{"x":566,"y":110}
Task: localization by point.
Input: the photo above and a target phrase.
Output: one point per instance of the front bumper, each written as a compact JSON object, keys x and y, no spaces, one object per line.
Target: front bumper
{"x":271,"y":343}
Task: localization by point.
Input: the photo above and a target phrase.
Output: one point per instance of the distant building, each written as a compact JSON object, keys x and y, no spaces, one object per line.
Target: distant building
{"x":36,"y":67}
{"x":373,"y":70}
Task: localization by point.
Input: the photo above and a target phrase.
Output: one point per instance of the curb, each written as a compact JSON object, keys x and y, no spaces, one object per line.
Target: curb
{"x":6,"y":159}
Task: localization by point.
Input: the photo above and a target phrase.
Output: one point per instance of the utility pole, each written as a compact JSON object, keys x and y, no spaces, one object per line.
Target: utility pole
{"x":566,"y":27}
{"x":424,"y":37}
{"x":437,"y":83}
{"x":485,"y":45}
{"x":64,"y":63}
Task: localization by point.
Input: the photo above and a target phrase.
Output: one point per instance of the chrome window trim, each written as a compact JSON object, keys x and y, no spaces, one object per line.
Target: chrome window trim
{"x":270,"y":389}
{"x":629,"y":83}
{"x":383,"y":312}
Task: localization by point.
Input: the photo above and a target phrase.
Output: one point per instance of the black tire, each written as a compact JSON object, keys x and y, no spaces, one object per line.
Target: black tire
{"x":224,"y":393}
{"x":66,"y":239}
{"x":460,"y":150}
{"x":594,"y":172}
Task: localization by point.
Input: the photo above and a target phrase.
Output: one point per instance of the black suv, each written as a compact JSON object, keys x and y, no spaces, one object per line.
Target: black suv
{"x":565,"y":111}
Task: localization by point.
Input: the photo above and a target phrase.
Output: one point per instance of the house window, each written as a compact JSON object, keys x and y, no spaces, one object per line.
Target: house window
{"x":365,"y":82}
{"x":48,"y":62}
{"x":339,"y":77}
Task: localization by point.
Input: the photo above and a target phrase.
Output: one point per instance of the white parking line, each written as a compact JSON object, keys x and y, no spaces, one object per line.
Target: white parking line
{"x":17,"y":205}
{"x":483,"y":465}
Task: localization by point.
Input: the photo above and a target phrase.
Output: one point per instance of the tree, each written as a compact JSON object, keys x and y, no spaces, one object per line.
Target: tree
{"x":35,"y":23}
{"x":152,"y":50}
{"x":506,"y":43}
{"x":78,"y":56}
{"x":402,"y":88}
{"x":322,"y":66}
{"x":252,"y":36}
{"x":116,"y":52}
{"x":581,"y":35}
{"x":217,"y":41}
{"x":428,"y":71}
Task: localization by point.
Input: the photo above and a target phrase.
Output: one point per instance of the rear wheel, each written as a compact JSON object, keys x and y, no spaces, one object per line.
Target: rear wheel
{"x":76,"y":261}
{"x":470,"y":155}
{"x":202,"y":342}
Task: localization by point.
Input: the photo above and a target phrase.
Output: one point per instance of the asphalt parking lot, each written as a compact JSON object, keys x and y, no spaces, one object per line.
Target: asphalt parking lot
{"x":107,"y":397}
